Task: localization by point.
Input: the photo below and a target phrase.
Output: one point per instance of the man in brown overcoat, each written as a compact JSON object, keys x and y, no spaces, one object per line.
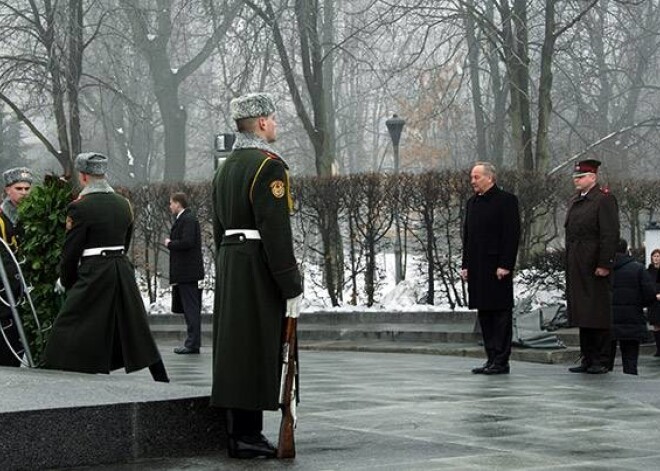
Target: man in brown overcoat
{"x":592,"y":233}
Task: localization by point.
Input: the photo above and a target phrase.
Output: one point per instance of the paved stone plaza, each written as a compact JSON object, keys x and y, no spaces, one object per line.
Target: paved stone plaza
{"x":375,"y":411}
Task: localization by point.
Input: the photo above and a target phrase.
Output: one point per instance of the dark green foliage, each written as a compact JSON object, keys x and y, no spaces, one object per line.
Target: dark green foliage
{"x":42,"y":217}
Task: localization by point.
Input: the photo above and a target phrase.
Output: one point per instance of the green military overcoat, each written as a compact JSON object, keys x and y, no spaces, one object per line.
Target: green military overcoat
{"x":253,"y":279}
{"x":102,"y":325}
{"x":592,"y":234}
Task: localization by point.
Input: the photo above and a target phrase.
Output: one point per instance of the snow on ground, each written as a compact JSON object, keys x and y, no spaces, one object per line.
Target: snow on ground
{"x":403,"y":297}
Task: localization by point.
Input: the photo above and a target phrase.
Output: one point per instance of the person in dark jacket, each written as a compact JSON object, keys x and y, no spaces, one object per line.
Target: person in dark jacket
{"x":257,"y":278}
{"x":186,"y":269}
{"x":491,"y":233}
{"x":102,"y":325}
{"x":654,"y":308}
{"x":592,"y":234}
{"x":18,"y":182}
{"x":632,"y":291}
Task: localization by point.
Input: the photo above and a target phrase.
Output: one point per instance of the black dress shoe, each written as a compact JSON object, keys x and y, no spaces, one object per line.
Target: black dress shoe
{"x":582,"y":368}
{"x":597,"y":370}
{"x":186,"y":350}
{"x":497,"y":370}
{"x":251,"y":446}
{"x":479,"y":370}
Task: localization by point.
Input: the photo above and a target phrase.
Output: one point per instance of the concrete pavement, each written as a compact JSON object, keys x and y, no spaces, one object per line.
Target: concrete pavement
{"x":392,"y":411}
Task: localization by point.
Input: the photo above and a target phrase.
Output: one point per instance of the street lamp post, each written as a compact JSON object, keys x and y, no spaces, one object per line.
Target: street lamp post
{"x":395,"y":126}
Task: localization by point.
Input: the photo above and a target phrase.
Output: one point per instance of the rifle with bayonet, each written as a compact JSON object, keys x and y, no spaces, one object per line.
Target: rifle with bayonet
{"x":286,"y":447}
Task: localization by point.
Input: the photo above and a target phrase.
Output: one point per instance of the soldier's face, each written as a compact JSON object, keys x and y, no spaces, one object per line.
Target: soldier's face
{"x":584,"y":182}
{"x":480,"y":181}
{"x":17,"y":192}
{"x":269,"y":127}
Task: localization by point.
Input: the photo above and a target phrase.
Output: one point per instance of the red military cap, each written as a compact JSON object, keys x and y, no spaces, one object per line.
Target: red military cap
{"x":585,"y":166}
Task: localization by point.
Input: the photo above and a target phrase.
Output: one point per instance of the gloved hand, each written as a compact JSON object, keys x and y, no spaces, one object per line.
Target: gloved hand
{"x":59,"y":289}
{"x":293,"y":306}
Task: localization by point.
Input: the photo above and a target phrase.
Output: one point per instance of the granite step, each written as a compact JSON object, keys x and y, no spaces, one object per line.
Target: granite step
{"x":438,"y":333}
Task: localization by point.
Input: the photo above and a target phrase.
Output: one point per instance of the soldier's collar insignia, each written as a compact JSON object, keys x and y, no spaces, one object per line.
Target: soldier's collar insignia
{"x":277,"y":188}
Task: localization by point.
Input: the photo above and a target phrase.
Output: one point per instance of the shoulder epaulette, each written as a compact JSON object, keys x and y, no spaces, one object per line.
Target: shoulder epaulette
{"x":270,"y":155}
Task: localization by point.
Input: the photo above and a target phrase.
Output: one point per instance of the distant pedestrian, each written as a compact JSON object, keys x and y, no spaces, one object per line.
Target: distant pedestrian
{"x":186,"y":270}
{"x":257,"y":278}
{"x":18,"y":182}
{"x":633,"y":290}
{"x":654,"y":308}
{"x":102,"y":325}
{"x":592,"y":234}
{"x":491,"y":233}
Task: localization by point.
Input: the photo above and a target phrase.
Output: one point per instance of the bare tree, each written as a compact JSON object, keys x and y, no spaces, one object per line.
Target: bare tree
{"x":155,"y":34}
{"x":45,"y":43}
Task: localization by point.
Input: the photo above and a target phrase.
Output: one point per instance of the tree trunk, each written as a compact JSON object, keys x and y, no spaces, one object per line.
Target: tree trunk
{"x":545,"y":89}
{"x":477,"y":102}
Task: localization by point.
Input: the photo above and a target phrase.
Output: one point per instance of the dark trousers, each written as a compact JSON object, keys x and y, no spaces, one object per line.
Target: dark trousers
{"x":496,"y":330}
{"x":191,"y":301}
{"x":244,"y":423}
{"x":7,"y":358}
{"x":629,"y":355}
{"x":595,"y":346}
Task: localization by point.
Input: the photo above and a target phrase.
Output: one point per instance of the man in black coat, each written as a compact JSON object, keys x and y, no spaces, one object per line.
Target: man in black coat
{"x":491,"y":233}
{"x":186,"y":269}
{"x":633,"y":290}
{"x":592,"y":234}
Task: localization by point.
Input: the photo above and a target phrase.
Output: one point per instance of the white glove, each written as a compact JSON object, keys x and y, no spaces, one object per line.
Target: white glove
{"x":293,"y":306}
{"x":59,"y":289}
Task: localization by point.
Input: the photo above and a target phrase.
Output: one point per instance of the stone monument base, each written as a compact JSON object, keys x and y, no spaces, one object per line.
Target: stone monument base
{"x":52,"y":419}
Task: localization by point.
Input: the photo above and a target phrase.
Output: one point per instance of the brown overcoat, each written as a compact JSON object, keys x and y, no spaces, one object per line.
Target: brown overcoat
{"x":592,"y":233}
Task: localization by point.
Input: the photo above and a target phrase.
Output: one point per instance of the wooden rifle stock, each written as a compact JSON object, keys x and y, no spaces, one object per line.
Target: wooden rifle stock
{"x":286,"y":446}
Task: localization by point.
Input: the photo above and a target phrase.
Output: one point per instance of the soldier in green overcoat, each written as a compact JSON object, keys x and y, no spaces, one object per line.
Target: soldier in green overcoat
{"x":592,"y":235}
{"x":257,"y":277}
{"x":102,"y":325}
{"x":18,"y":182}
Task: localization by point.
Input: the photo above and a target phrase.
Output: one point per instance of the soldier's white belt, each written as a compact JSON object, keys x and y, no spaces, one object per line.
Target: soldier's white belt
{"x":251,"y":234}
{"x":99,"y":250}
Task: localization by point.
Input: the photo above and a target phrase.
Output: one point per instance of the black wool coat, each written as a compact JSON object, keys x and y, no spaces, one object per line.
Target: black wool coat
{"x":491,"y":233}
{"x":186,"y":264}
{"x":654,"y":308}
{"x":632,"y":291}
{"x":254,"y":278}
{"x":592,"y":233}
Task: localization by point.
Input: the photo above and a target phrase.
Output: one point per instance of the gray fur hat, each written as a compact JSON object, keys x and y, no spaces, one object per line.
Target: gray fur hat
{"x":251,"y":105}
{"x":17,"y":174}
{"x":91,"y":163}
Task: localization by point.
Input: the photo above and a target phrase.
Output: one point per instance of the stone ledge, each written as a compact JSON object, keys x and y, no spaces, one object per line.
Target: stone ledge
{"x":53,"y":419}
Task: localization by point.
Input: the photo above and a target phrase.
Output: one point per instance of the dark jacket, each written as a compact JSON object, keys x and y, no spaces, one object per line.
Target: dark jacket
{"x":491,"y":233}
{"x":102,"y":324}
{"x":186,"y":264}
{"x":654,"y":308}
{"x":592,"y":233}
{"x":632,"y":291}
{"x":253,"y":279}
